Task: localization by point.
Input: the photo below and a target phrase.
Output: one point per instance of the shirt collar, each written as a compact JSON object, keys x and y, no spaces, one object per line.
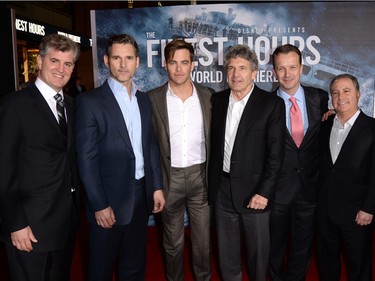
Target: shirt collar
{"x":47,"y":91}
{"x":244,"y":100}
{"x":118,"y":87}
{"x":350,"y":122}
{"x":172,"y":94}
{"x":299,"y":95}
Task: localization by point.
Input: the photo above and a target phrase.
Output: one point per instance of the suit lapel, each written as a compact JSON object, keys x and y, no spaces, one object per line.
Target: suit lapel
{"x":42,"y":106}
{"x":356,"y":132}
{"x":249,"y":114}
{"x":114,"y":112}
{"x":288,"y":137}
{"x":160,"y":101}
{"x":325,"y":136}
{"x":69,"y":113}
{"x":311,"y":106}
{"x":205,"y":102}
{"x":145,"y":115}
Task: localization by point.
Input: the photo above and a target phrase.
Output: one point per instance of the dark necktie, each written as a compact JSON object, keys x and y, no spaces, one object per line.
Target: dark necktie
{"x":296,"y":122}
{"x":60,"y":106}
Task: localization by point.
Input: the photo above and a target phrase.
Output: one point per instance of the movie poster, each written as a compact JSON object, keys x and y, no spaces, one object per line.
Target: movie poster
{"x":334,"y":38}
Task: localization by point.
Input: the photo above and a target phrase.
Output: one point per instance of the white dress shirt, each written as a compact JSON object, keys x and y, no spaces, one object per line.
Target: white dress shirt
{"x":186,"y":130}
{"x":49,"y":95}
{"x":234,"y":114}
{"x":339,"y":133}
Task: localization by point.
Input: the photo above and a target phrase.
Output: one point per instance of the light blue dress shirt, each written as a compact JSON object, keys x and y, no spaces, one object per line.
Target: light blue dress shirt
{"x":132,"y":116}
{"x":300,"y":97}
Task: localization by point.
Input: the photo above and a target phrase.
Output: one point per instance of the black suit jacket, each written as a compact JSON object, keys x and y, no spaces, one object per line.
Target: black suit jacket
{"x":300,"y":167}
{"x":105,"y":154}
{"x":258,"y":149}
{"x":348,"y":185}
{"x":35,"y":181}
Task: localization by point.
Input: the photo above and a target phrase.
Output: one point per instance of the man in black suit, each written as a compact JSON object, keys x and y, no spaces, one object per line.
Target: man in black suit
{"x":247,"y":148}
{"x":119,"y":164}
{"x":293,"y":211}
{"x":39,"y":177}
{"x":346,"y":202}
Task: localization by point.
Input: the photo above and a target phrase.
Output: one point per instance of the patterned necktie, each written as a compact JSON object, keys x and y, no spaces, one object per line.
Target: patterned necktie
{"x":60,"y":106}
{"x":296,"y":122}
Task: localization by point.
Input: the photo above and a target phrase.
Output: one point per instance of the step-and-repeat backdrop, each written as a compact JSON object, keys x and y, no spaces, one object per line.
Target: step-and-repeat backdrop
{"x":334,"y":37}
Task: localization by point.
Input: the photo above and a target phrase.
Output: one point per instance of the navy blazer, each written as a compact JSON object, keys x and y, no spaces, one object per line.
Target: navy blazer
{"x":105,"y":155}
{"x":258,"y":149}
{"x":348,"y":185}
{"x":301,"y":164}
{"x":38,"y":167}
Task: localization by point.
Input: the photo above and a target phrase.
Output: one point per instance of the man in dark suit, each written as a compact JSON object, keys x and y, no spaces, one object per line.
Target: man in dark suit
{"x":247,"y":148}
{"x":293,"y":211}
{"x":39,"y":176}
{"x":118,"y":158}
{"x":346,"y":202}
{"x":182,"y":120}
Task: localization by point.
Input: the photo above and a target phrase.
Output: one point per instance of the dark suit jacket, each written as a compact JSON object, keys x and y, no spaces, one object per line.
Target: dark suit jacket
{"x":158,"y":98}
{"x":348,"y":185}
{"x":105,"y":155}
{"x":300,"y":167}
{"x":258,"y":149}
{"x":34,"y":163}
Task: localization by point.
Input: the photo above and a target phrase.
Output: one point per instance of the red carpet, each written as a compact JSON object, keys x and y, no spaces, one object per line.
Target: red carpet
{"x":155,"y":263}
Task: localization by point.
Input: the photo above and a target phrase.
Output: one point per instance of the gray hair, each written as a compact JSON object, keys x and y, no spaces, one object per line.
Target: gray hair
{"x":344,"y":75}
{"x":58,"y":42}
{"x":244,"y":52}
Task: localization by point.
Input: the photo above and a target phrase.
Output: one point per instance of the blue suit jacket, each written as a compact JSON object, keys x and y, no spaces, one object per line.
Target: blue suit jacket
{"x":105,"y":155}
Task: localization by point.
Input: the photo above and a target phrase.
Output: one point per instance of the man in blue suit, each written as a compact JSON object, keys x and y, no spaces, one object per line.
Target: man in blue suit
{"x":118,"y":158}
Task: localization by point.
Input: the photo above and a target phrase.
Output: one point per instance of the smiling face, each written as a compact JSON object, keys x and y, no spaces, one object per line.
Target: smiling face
{"x":288,"y":70}
{"x":345,"y":97}
{"x":122,"y":63}
{"x":240,"y":76}
{"x":55,"y":68}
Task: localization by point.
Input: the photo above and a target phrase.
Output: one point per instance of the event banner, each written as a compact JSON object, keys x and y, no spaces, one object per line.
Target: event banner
{"x":334,"y":37}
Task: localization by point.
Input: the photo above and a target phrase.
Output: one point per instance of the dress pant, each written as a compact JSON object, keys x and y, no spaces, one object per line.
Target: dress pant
{"x":187,"y":190}
{"x":231,"y":228}
{"x":295,"y":221}
{"x":123,"y":243}
{"x":356,"y":240}
{"x":43,"y":265}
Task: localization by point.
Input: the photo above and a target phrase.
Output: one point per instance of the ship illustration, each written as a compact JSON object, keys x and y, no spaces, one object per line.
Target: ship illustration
{"x":221,"y":24}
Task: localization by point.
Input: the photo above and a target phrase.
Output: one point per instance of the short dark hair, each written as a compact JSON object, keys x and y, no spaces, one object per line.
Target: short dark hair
{"x":242,"y":51}
{"x":178,"y":44}
{"x":121,"y":39}
{"x":58,"y":42}
{"x":286,"y":49}
{"x":344,"y":75}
